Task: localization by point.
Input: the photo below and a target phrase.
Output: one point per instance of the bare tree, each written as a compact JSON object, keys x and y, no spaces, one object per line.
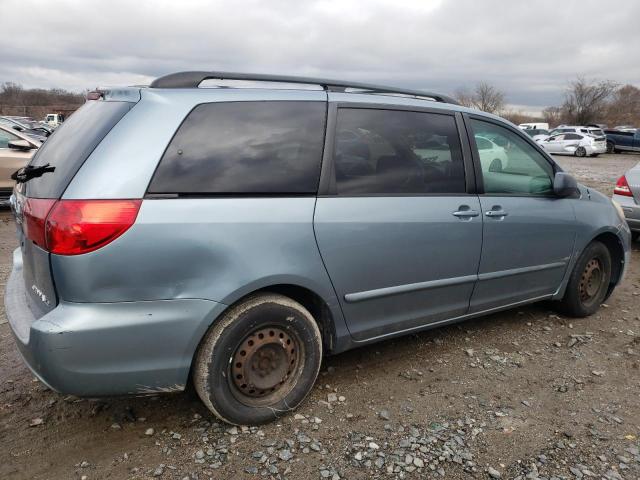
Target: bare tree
{"x":488,"y":98}
{"x":464,"y":98}
{"x":586,"y":101}
{"x":624,"y":108}
{"x":552,"y":116}
{"x":518,"y":116}
{"x":36,"y":102}
{"x":484,"y":97}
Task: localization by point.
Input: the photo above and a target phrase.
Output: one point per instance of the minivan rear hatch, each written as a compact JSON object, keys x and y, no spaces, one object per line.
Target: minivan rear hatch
{"x":63,"y":153}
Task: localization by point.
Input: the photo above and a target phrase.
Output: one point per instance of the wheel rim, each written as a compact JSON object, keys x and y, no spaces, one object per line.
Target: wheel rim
{"x":591,"y":280}
{"x":581,"y":152}
{"x":265,"y":366}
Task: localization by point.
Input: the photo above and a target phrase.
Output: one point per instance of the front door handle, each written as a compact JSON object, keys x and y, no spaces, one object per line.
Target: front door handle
{"x":496,"y":213}
{"x":464,"y":211}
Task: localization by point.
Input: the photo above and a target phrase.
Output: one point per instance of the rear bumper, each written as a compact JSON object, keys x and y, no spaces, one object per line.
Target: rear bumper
{"x":631,"y":211}
{"x":95,"y":349}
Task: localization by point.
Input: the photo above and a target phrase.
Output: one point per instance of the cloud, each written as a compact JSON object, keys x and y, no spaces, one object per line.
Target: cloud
{"x":528,"y":49}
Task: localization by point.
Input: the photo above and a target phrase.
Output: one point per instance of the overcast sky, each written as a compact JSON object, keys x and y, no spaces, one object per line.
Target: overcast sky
{"x":529,"y":49}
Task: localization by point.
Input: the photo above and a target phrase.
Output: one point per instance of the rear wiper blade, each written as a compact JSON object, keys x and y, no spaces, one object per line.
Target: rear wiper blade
{"x":27,"y":173}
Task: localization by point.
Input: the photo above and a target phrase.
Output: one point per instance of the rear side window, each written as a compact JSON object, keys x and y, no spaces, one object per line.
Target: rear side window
{"x":71,"y":144}
{"x":245,"y":148}
{"x":397,"y":152}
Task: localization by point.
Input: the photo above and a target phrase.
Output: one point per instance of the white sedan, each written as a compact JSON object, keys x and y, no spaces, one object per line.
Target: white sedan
{"x":492,"y":156}
{"x":577,"y":144}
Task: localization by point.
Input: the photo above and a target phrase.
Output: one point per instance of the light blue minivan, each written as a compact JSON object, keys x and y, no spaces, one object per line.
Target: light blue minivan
{"x":230,"y":229}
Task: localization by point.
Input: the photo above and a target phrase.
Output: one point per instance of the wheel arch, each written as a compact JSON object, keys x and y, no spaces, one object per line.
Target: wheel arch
{"x":314,"y":303}
{"x":616,"y":249}
{"x":323,"y":307}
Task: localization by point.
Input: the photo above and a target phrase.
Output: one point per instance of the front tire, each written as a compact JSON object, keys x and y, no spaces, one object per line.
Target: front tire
{"x":259,"y":361}
{"x":581,"y":152}
{"x":589,"y":282}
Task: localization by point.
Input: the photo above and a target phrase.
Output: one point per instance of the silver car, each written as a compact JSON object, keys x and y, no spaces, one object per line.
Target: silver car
{"x":627,"y":194}
{"x":233,"y":236}
{"x":578,"y":144}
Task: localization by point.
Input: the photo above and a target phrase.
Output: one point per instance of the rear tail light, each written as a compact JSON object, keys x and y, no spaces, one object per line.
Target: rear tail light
{"x":34,"y":217}
{"x":74,"y":227}
{"x":622,"y":187}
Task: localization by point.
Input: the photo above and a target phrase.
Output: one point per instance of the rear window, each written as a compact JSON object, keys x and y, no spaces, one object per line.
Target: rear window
{"x":245,"y":148}
{"x":71,"y":144}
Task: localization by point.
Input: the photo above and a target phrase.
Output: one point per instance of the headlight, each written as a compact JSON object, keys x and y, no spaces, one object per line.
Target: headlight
{"x":619,"y":210}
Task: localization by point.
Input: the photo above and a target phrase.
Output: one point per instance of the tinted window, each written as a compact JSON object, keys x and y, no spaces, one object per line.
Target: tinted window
{"x":572,"y":136}
{"x":245,"y":147}
{"x":70,"y":145}
{"x":395,"y":152}
{"x":514,"y":167}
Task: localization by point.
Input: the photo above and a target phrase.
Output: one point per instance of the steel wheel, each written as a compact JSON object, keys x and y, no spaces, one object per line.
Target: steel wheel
{"x":259,"y":360}
{"x":265,"y":366}
{"x":591,"y":280}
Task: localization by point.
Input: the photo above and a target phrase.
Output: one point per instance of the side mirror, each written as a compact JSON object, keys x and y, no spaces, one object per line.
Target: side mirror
{"x":20,"y":145}
{"x":18,"y":128}
{"x":564,"y":185}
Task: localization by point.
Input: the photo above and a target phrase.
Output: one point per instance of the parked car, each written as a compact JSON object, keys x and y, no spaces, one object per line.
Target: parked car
{"x":35,"y":134}
{"x":577,"y":144}
{"x":534,"y":126}
{"x":536,"y":133}
{"x":29,"y":122}
{"x":54,"y":119}
{"x":623,"y":141}
{"x":625,"y":128}
{"x":627,"y":194}
{"x":16,"y":150}
{"x":256,"y":229}
{"x":492,"y":156}
{"x":590,"y":130}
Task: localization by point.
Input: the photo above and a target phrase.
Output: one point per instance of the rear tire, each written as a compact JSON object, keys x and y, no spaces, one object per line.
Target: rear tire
{"x":611,"y":148}
{"x":259,"y":361}
{"x":588,"y":283}
{"x":581,"y":152}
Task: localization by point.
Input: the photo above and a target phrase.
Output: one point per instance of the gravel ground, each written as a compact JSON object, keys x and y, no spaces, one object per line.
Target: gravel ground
{"x":520,"y":394}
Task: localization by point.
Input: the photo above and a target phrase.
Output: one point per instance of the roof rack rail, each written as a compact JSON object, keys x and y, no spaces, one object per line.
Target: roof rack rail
{"x":193,"y":80}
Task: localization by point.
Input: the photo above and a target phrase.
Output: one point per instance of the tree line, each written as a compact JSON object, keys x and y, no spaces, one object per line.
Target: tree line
{"x":585,"y":102}
{"x":37,"y":102}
